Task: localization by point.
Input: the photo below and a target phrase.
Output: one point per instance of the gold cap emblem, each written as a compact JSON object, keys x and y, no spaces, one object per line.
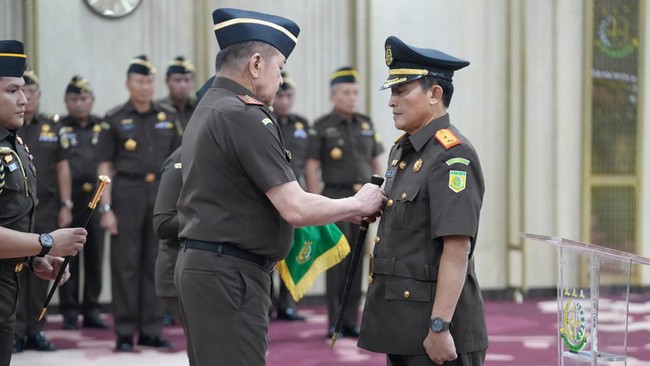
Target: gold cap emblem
{"x":336,"y":153}
{"x":130,"y":145}
{"x":417,"y":165}
{"x":389,"y":55}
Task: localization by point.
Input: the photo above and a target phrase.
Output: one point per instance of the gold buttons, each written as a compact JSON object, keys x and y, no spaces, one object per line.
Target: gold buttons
{"x":377,"y":239}
{"x":402,"y":165}
{"x":19,"y":267}
{"x":389,"y":203}
{"x":150,"y":177}
{"x":404,"y":196}
{"x":406,"y":294}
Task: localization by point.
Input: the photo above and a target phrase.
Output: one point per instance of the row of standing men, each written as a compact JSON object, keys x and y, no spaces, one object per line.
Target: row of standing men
{"x":130,"y":144}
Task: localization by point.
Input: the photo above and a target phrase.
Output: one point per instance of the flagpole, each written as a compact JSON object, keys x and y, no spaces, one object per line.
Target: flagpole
{"x":356,"y":254}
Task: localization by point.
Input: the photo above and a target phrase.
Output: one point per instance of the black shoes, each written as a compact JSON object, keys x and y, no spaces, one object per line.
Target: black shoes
{"x":19,"y":345}
{"x":156,"y":342}
{"x":70,"y":322}
{"x":39,"y":342}
{"x":124,"y":344}
{"x":290,"y":314}
{"x":94,"y":321}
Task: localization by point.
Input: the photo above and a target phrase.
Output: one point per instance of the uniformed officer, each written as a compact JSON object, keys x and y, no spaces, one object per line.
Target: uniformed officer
{"x":424,"y":304}
{"x":294,"y":131}
{"x":17,"y":201}
{"x":240,"y":198}
{"x":136,"y":139}
{"x":180,"y":83}
{"x":344,"y":148}
{"x":81,"y":129}
{"x":43,"y":133}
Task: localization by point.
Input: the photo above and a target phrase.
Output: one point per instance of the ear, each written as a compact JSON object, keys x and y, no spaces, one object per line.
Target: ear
{"x":436,"y":94}
{"x":254,"y":65}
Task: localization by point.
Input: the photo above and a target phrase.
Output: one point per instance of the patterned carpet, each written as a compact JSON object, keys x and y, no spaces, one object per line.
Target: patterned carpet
{"x":520,"y":335}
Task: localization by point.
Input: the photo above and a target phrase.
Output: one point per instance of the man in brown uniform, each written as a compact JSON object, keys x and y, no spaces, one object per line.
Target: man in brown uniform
{"x":136,"y":139}
{"x":294,"y":131}
{"x":180,"y":82}
{"x":344,"y":148}
{"x":424,"y":304}
{"x":240,"y":198}
{"x":82,"y":130}
{"x":17,"y":201}
{"x":43,"y":133}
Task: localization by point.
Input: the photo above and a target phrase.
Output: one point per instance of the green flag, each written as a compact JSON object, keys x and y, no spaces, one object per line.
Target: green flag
{"x":314,"y":250}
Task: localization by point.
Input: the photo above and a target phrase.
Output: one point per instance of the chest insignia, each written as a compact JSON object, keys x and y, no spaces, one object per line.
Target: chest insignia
{"x":447,"y":138}
{"x":8,"y":158}
{"x":97,"y":128}
{"x":249,"y":100}
{"x":402,"y":165}
{"x":267,"y":121}
{"x":161,"y":116}
{"x":130,"y":145}
{"x":417,"y":165}
{"x":457,"y":161}
{"x":336,"y":153}
{"x":457,"y":180}
{"x":389,"y":173}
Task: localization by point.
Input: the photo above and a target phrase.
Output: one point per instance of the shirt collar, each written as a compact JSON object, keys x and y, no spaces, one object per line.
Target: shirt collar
{"x":420,"y":138}
{"x":4,"y":133}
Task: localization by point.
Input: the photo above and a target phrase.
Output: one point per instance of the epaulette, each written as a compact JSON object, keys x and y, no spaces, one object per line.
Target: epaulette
{"x":247,"y":99}
{"x":397,"y":140}
{"x":447,"y":138}
{"x":111,"y":112}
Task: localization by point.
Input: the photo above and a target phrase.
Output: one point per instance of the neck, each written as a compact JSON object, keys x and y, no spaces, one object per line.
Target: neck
{"x":238,"y":77}
{"x":141,"y":107}
{"x":180,"y":102}
{"x":82,"y":121}
{"x":346,"y":116}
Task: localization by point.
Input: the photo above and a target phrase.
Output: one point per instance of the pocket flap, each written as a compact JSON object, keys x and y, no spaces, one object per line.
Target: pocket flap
{"x":409,"y":290}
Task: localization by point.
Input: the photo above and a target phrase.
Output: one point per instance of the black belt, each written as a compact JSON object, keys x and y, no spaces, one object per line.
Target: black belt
{"x":145,"y":177}
{"x":230,"y":250}
{"x":422,"y":272}
{"x":11,"y":265}
{"x":348,"y":186}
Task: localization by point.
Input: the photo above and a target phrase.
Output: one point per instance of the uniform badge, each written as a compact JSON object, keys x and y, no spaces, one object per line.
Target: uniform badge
{"x":402,"y":165}
{"x":97,"y":128}
{"x":130,"y":145}
{"x":161,"y":116}
{"x":8,"y":158}
{"x":249,"y":100}
{"x":457,"y":161}
{"x":20,"y":141}
{"x":388,"y":55}
{"x":126,"y":121}
{"x":64,"y":141}
{"x":105,"y":125}
{"x":389,"y":173}
{"x":336,"y":153}
{"x":87,"y":187}
{"x":457,"y":180}
{"x":365,"y":126}
{"x":267,"y":121}
{"x":298,"y":126}
{"x":178,"y":165}
{"x":13,"y":166}
{"x":45,"y":128}
{"x":394,"y":162}
{"x":447,"y":138}
{"x":417,"y":165}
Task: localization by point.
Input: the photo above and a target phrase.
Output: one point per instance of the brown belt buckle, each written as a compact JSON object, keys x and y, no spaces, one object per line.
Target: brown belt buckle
{"x":19,"y":267}
{"x":87,"y":187}
{"x":372,"y":269}
{"x":150,"y":177}
{"x":357,"y":187}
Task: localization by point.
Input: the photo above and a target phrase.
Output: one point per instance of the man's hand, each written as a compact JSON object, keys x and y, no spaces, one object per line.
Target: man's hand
{"x":48,"y":267}
{"x":68,"y":241}
{"x":109,"y":222}
{"x":440,"y":347}
{"x":65,"y":217}
{"x":371,"y":200}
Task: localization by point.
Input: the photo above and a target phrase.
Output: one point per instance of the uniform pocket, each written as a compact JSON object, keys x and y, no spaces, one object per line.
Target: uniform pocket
{"x":409,"y":290}
{"x":404,"y":209}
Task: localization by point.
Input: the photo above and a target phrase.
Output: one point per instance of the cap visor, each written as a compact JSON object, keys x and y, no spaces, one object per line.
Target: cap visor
{"x":395,"y":80}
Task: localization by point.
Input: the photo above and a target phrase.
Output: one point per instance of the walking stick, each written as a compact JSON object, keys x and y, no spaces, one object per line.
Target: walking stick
{"x":356,"y":254}
{"x":99,"y":190}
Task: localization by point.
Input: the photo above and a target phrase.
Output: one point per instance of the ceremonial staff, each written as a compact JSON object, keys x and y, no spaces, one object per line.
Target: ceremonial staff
{"x":99,"y":190}
{"x":356,"y":254}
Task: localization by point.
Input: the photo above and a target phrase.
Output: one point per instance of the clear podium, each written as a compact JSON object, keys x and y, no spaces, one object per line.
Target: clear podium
{"x":593,"y":297}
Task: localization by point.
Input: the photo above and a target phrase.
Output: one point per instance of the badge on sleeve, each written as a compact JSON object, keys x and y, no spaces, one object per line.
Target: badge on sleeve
{"x":457,"y":180}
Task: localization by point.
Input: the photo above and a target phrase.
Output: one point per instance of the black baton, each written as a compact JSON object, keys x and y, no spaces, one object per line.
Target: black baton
{"x":356,"y":254}
{"x":99,"y":190}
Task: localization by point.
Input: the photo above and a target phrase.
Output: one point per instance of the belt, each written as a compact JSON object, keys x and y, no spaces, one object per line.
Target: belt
{"x":393,"y":267}
{"x":349,"y":186}
{"x":228,"y":249}
{"x":146,"y":177}
{"x":11,"y":266}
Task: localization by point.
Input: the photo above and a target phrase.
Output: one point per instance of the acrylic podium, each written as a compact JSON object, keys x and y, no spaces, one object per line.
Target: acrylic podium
{"x":593,"y":294}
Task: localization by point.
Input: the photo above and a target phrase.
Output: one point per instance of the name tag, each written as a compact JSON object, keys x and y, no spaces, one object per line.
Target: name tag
{"x":13,"y":166}
{"x":165,"y":125}
{"x":389,"y":173}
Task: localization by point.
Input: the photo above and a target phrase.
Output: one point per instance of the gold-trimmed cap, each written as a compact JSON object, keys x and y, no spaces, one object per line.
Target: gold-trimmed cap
{"x":407,"y":63}
{"x":12,"y":58}
{"x":287,"y":82}
{"x":235,"y":25}
{"x":30,"y":77}
{"x":77,"y":85}
{"x":344,"y":75}
{"x":180,"y":65}
{"x":141,"y":65}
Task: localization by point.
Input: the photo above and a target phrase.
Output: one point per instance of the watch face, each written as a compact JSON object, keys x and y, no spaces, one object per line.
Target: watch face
{"x":437,"y":325}
{"x":46,"y":240}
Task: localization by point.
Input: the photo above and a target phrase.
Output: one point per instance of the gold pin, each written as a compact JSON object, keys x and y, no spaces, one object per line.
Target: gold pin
{"x":87,"y":187}
{"x":161,"y":116}
{"x":8,"y":158}
{"x":45,"y":128}
{"x":97,"y":128}
{"x":365,"y":125}
{"x":130,"y":145}
{"x":417,"y":165}
{"x":20,"y":141}
{"x":402,"y":165}
{"x":336,"y":153}
{"x":404,"y":196}
{"x":377,"y":239}
{"x":389,"y":203}
{"x":298,"y":126}
{"x":394,"y":162}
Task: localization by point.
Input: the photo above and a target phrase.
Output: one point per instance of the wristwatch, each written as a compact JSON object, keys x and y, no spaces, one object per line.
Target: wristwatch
{"x":439,"y":325}
{"x":67,"y":203}
{"x":104,"y":208}
{"x":46,"y":242}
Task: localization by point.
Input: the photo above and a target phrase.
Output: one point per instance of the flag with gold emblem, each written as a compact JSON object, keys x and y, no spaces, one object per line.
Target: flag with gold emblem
{"x":314,"y":250}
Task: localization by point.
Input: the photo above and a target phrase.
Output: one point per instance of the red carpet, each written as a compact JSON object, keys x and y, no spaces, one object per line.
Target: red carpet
{"x":520,"y":334}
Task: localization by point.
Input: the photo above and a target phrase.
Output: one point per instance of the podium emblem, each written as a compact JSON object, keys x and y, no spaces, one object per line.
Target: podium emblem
{"x":573,"y":323}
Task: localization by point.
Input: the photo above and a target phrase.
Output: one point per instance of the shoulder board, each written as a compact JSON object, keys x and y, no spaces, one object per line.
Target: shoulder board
{"x":165,"y":107}
{"x":447,"y":138}
{"x":111,"y":112}
{"x":249,"y":100}
{"x":397,"y":140}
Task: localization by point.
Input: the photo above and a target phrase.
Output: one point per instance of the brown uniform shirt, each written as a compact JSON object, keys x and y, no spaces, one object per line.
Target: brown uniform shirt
{"x":184,"y":114}
{"x":81,"y":153}
{"x":294,"y":131}
{"x":48,"y":144}
{"x":344,"y":149}
{"x":138,"y":143}
{"x":233,"y":152}
{"x":433,"y":192}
